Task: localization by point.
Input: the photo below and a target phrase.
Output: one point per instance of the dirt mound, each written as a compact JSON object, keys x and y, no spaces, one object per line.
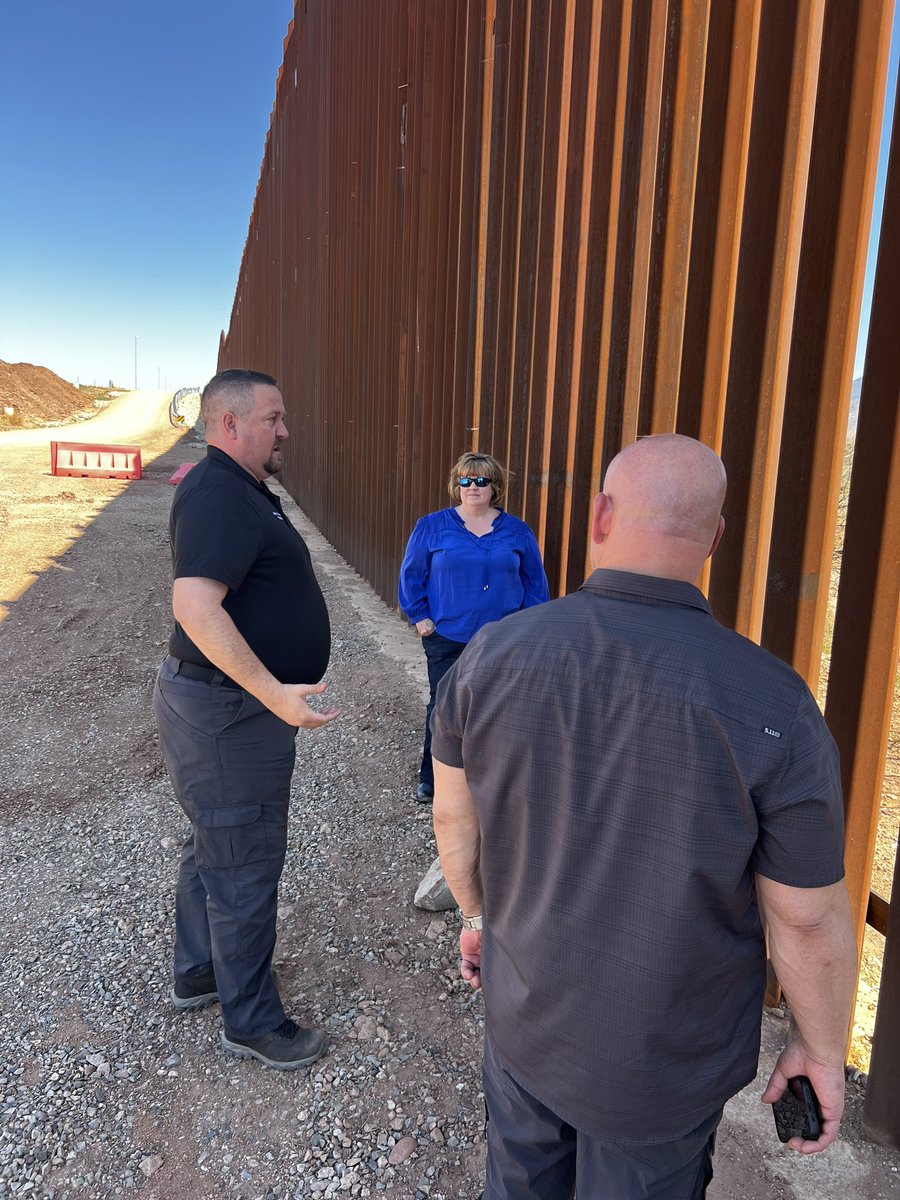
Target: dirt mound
{"x":38,"y":397}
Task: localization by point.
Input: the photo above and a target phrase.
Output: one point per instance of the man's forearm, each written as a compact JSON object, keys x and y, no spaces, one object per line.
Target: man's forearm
{"x":197,"y":605}
{"x":198,"y":609}
{"x":816,"y":966}
{"x":458,"y":852}
{"x":458,"y":837}
{"x":218,"y":638}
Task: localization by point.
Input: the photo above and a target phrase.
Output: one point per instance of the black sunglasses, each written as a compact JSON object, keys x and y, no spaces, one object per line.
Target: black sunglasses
{"x":478,"y":480}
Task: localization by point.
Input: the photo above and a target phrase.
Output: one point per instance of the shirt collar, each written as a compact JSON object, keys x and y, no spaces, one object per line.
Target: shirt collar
{"x":226,"y":460}
{"x":646,"y":587}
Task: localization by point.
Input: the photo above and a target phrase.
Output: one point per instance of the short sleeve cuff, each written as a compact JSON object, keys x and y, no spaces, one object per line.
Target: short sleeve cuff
{"x":447,"y":750}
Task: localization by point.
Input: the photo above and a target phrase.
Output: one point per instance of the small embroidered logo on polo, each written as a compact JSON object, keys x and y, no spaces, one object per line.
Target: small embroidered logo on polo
{"x":771,"y":732}
{"x":281,"y":518}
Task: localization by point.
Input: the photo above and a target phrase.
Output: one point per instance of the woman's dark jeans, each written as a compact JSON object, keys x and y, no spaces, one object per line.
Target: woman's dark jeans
{"x":441,"y":654}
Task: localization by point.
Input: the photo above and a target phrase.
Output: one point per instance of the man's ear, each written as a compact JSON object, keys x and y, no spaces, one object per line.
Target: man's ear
{"x":720,"y":529}
{"x":601,"y":516}
{"x":229,"y":425}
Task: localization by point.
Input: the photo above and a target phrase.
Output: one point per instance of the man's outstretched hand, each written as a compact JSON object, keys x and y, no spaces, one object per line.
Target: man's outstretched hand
{"x":292,"y":706}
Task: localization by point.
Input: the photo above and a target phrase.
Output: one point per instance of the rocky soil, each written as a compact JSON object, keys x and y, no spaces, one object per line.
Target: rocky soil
{"x":106,"y":1091}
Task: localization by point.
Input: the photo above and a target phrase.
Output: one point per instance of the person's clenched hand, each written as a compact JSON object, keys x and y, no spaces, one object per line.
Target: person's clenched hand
{"x":470,"y":952}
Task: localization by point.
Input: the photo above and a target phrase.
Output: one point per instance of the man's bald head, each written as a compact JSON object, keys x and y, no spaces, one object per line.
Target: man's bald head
{"x":660,"y":509}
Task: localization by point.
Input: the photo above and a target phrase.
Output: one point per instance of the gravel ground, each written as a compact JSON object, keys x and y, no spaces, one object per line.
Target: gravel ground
{"x":106,"y":1091}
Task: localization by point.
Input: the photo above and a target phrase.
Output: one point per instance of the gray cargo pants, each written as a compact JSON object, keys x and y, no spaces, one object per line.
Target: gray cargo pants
{"x":230,"y":761}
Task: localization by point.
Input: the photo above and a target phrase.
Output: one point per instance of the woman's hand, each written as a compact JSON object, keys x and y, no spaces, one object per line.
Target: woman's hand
{"x":425,"y":627}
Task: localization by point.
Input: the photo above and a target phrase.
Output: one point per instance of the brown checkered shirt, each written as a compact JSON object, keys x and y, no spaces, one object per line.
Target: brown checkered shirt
{"x":634,"y":764}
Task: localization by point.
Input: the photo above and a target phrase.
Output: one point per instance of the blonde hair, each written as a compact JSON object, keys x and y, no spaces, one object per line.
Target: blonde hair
{"x":474,"y":463}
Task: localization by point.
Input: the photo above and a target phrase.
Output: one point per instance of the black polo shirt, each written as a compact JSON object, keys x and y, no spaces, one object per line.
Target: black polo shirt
{"x":227,"y":526}
{"x":634,"y":764}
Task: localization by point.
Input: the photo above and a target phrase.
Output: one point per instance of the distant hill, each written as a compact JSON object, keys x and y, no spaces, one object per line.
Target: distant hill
{"x":38,"y":397}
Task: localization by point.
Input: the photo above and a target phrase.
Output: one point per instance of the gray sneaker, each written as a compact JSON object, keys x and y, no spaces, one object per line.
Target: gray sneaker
{"x":286,"y":1048}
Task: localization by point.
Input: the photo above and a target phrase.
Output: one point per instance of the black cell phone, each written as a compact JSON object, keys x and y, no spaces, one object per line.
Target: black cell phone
{"x":797,"y":1113}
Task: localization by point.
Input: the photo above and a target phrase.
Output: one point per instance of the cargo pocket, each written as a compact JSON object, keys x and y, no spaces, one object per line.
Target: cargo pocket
{"x":256,"y":758}
{"x":231,"y":836}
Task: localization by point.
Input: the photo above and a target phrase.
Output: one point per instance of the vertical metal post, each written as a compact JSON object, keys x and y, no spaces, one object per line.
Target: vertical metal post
{"x":778,"y":151}
{"x":822,"y":336}
{"x":881,"y":1111}
{"x":866,"y":635}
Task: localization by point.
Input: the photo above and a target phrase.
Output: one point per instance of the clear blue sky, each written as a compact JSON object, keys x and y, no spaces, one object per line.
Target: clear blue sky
{"x":879,"y":194}
{"x":131,"y":138}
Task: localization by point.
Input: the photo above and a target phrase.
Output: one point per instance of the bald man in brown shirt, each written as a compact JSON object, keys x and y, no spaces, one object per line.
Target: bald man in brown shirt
{"x":622,"y":784}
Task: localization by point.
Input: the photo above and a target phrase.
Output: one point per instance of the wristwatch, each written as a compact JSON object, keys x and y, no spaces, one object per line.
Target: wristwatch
{"x":473,"y":923}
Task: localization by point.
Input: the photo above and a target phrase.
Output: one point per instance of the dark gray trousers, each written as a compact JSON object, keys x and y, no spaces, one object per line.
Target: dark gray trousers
{"x":440,"y":654}
{"x":230,"y":761}
{"x":535,"y":1155}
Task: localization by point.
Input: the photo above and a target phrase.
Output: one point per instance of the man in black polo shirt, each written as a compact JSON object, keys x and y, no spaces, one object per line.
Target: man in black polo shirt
{"x":620,"y":781}
{"x":250,"y":643}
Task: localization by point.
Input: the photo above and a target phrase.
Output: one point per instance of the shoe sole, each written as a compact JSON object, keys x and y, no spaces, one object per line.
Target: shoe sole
{"x":184,"y":1003}
{"x":295,"y":1064}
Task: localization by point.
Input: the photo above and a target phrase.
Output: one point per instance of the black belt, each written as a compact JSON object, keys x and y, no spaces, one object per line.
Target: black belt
{"x":204,"y":674}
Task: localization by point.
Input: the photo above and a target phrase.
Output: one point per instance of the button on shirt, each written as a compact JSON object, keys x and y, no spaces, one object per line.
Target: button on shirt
{"x":633,"y":763}
{"x":462,"y":581}
{"x":226,"y":525}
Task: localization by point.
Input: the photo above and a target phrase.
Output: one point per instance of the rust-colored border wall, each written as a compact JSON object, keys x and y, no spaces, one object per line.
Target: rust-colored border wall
{"x":546,"y":227}
{"x":358,"y":283}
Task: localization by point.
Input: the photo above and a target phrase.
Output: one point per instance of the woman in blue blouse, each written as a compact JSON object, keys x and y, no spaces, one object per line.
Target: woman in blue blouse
{"x":464,"y":567}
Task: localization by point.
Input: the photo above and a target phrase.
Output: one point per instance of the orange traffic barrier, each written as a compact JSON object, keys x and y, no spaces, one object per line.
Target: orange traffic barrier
{"x":181,"y":472}
{"x":95,"y":461}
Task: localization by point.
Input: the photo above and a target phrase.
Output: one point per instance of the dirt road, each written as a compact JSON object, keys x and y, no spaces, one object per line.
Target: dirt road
{"x":42,"y":515}
{"x":104,"y":1090}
